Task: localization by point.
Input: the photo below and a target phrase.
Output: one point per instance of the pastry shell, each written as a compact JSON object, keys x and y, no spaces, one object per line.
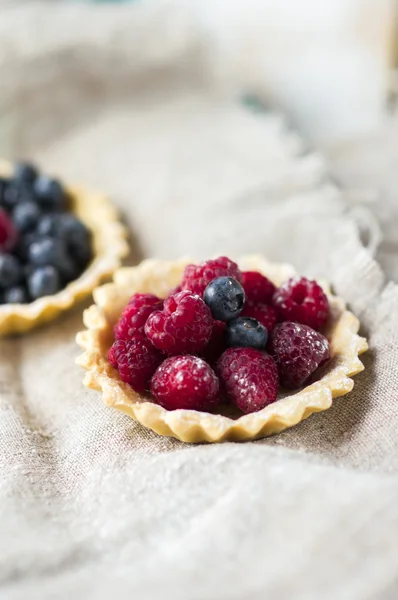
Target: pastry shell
{"x":158,"y":277}
{"x":110,"y":246}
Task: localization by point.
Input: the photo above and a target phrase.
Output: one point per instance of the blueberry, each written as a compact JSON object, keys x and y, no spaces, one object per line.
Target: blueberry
{"x":225,"y":297}
{"x":77,"y":237}
{"x":47,"y":225}
{"x":25,"y":171}
{"x":69,"y":270}
{"x":16,"y":295}
{"x":50,"y":193}
{"x":3,"y":185}
{"x":16,"y":192}
{"x":25,"y":216}
{"x":246,"y":332}
{"x":47,"y":251}
{"x":1,"y":297}
{"x":69,"y":226}
{"x":80,"y":248}
{"x":11,"y":271}
{"x":25,"y":242}
{"x":44,"y":281}
{"x":28,"y":270}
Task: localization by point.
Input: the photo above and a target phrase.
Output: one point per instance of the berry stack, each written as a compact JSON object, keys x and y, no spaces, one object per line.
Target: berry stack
{"x":43,"y":245}
{"x":222,"y":335}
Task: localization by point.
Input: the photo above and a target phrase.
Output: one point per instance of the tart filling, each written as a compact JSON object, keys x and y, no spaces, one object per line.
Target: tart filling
{"x":181,"y":372}
{"x":56,"y":244}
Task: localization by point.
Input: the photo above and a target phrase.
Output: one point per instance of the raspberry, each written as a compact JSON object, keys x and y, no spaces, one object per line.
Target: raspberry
{"x":267,"y":315}
{"x":303,"y":301}
{"x":249,"y":377}
{"x":137,"y":360}
{"x":216,"y":345}
{"x":197,"y":277}
{"x":112,"y":357}
{"x":135,"y":315}
{"x":185,"y":382}
{"x":8,"y":232}
{"x":183,"y":327}
{"x":257,"y":287}
{"x":298,"y":351}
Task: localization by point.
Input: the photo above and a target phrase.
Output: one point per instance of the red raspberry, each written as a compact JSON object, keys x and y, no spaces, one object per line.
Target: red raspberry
{"x":216,"y":345}
{"x":303,"y":301}
{"x":298,"y":351}
{"x":135,"y":315}
{"x":267,"y":315}
{"x":183,"y":327}
{"x":185,"y":382}
{"x":257,"y":287}
{"x":137,"y":360}
{"x":8,"y":232}
{"x":197,"y":277}
{"x":112,"y":357}
{"x":250,"y":378}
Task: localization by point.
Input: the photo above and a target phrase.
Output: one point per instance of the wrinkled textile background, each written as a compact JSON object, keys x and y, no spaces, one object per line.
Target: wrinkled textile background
{"x":92,"y":504}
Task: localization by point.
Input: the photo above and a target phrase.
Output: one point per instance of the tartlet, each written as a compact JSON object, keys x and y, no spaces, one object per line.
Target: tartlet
{"x":159,"y":277}
{"x":109,"y":247}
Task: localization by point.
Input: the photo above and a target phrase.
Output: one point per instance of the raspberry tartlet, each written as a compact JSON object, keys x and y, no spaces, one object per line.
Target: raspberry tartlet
{"x":57,"y":243}
{"x":228,"y":351}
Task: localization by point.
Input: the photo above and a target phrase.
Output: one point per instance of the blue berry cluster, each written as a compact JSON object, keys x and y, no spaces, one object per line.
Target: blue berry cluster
{"x":53,"y":247}
{"x":225,"y":297}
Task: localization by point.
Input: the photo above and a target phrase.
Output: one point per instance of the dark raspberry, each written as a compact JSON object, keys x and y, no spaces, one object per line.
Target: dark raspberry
{"x":302,"y":301}
{"x":183,"y":327}
{"x":249,"y":377}
{"x":8,"y":233}
{"x":197,"y":277}
{"x":185,"y":382}
{"x":225,"y":297}
{"x":267,"y":315}
{"x":50,"y":193}
{"x":137,"y":360}
{"x":135,"y":315}
{"x":245,"y":332}
{"x":216,"y":345}
{"x":257,"y":287}
{"x":298,"y":351}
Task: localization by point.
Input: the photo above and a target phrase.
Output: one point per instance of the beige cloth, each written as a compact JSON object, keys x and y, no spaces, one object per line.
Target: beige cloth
{"x":93,"y":505}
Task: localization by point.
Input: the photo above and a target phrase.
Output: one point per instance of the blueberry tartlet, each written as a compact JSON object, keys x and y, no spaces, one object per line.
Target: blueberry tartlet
{"x":219,"y":350}
{"x":56,"y":244}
